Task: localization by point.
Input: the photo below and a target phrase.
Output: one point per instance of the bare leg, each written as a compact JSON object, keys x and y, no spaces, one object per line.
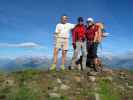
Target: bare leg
{"x":55,"y":55}
{"x":96,"y":63}
{"x":64,"y":53}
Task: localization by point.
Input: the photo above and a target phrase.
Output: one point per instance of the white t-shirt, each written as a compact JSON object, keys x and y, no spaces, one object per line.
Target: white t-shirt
{"x":63,"y":30}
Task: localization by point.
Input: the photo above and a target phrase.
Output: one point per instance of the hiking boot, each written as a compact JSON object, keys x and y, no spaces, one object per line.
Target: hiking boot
{"x":70,"y":68}
{"x":53,"y":67}
{"x":62,"y":67}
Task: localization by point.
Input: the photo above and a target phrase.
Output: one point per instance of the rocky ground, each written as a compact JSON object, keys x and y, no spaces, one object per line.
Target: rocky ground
{"x":66,"y":85}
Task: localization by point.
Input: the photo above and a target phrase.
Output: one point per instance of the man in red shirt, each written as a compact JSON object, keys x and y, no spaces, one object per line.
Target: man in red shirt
{"x":79,"y":43}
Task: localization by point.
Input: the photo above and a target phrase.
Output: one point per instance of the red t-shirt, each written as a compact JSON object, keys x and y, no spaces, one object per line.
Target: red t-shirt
{"x":78,"y":33}
{"x":90,"y":32}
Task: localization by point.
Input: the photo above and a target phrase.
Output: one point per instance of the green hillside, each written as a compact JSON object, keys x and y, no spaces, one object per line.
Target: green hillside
{"x":67,"y":85}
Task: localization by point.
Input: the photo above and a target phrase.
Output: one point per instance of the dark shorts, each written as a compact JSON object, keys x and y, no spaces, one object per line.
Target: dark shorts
{"x":92,"y":50}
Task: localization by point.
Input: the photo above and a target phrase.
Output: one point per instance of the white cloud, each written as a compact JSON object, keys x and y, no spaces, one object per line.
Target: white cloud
{"x":20,"y":45}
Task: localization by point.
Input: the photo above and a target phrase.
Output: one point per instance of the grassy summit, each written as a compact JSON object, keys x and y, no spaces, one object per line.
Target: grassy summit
{"x":68,"y":85}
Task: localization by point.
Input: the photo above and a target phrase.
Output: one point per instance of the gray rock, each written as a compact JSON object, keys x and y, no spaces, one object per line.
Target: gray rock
{"x":97,"y":96}
{"x":128,"y":86}
{"x":9,"y":82}
{"x":55,"y":89}
{"x":64,"y":87}
{"x":92,"y":73}
{"x":77,"y":79}
{"x":54,"y":95}
{"x":92,"y":78}
{"x":59,"y":81}
{"x":121,"y":87}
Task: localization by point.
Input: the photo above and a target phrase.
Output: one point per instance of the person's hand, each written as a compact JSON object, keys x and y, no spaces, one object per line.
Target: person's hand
{"x":56,"y":33}
{"x":96,"y":41}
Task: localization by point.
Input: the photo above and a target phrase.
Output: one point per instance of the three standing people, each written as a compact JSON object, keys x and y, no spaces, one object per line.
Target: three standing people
{"x":85,"y":40}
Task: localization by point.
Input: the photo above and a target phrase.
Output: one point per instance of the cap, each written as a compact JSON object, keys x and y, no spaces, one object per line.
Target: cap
{"x":90,"y":20}
{"x":80,"y":19}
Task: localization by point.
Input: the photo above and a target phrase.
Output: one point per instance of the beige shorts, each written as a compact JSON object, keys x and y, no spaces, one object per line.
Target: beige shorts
{"x":61,"y":43}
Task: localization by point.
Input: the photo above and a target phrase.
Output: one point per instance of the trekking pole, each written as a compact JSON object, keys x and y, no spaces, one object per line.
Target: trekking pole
{"x":106,"y":35}
{"x":70,"y":50}
{"x":101,"y":49}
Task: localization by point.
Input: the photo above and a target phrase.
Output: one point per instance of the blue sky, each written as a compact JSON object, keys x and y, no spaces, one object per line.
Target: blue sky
{"x":32,"y":22}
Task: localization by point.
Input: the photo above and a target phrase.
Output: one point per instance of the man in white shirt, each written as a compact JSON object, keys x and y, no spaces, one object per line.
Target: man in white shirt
{"x":62,"y":33}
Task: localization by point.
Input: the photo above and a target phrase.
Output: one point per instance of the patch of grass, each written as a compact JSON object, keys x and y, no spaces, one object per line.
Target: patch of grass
{"x":107,"y":91}
{"x":130,"y":72}
{"x":22,"y":93}
{"x":56,"y":98}
{"x":130,"y":83}
{"x":86,"y":92}
{"x":35,"y":85}
{"x":3,"y":93}
{"x":25,"y":75}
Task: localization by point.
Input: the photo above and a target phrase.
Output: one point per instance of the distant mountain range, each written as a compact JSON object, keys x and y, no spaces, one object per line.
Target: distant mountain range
{"x":43,"y":62}
{"x":25,"y":62}
{"x":119,"y":61}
